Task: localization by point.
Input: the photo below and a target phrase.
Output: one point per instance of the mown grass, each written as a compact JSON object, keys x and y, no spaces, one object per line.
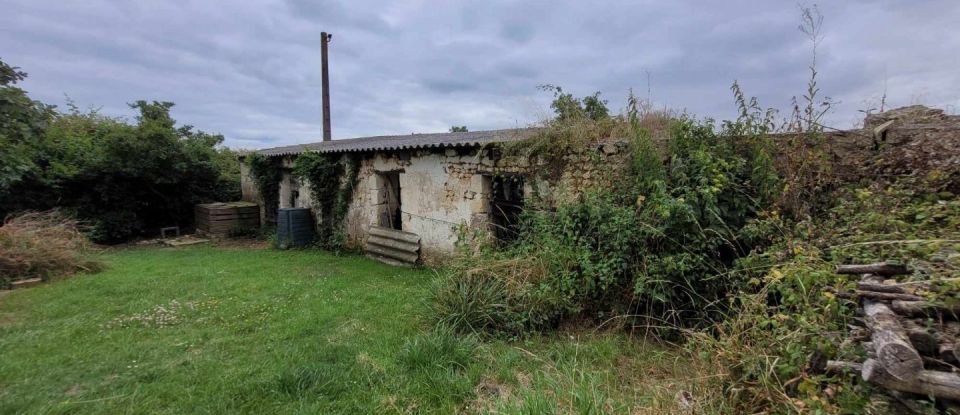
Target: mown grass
{"x":215,"y":330}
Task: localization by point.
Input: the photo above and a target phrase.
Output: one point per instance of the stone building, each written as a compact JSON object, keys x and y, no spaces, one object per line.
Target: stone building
{"x":433,"y":186}
{"x":426,"y":191}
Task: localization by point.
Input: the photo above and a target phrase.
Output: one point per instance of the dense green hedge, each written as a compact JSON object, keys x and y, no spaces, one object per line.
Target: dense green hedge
{"x":123,"y":179}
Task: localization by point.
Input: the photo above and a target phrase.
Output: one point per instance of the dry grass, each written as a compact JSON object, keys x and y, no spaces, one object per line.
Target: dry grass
{"x":516,"y":273}
{"x":42,"y":244}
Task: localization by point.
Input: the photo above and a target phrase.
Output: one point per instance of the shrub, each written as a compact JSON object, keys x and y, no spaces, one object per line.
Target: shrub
{"x":787,"y":315}
{"x":656,"y":241}
{"x":494,"y":295}
{"x":471,"y":303}
{"x":41,"y":244}
{"x":124,"y":179}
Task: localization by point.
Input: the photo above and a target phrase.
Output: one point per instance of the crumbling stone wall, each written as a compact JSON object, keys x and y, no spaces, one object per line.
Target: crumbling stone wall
{"x":445,"y":194}
{"x":921,"y":143}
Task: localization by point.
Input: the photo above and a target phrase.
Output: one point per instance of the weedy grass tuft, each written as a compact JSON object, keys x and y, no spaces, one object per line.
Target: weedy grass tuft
{"x":439,"y":348}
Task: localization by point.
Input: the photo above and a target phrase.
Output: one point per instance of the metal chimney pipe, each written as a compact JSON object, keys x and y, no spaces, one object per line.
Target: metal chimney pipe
{"x":325,"y":75}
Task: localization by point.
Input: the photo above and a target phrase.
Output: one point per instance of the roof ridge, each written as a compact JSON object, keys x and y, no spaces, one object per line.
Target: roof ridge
{"x":409,"y":141}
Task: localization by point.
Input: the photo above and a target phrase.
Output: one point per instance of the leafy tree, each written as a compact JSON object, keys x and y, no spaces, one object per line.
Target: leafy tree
{"x":22,"y":120}
{"x":122,"y":179}
{"x":567,"y":107}
{"x":10,"y":75}
{"x":594,"y":107}
{"x":458,"y":129}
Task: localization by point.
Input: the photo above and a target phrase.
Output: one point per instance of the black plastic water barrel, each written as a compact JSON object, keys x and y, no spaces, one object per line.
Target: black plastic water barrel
{"x":294,"y":228}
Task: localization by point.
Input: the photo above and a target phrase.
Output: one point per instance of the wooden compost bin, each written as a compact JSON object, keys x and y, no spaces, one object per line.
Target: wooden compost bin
{"x":221,"y":219}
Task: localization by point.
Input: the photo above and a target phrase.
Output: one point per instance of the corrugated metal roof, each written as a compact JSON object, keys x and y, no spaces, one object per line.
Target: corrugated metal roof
{"x":405,"y":142}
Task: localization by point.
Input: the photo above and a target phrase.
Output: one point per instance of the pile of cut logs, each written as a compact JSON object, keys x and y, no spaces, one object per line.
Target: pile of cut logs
{"x":911,"y":343}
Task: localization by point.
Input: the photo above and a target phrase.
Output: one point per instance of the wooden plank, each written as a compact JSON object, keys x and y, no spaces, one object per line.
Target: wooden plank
{"x":229,"y":218}
{"x":185,"y":241}
{"x":234,"y":218}
{"x":887,"y":296}
{"x":232,"y":223}
{"x":217,"y":211}
{"x":394,"y":234}
{"x":885,"y":269}
{"x":229,"y":215}
{"x":227,"y":228}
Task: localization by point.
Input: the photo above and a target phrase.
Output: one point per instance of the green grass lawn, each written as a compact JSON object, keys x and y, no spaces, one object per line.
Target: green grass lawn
{"x":218,"y":330}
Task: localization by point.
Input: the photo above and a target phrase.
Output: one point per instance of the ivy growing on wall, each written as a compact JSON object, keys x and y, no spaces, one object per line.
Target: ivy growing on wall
{"x":267,"y":173}
{"x":331,"y":188}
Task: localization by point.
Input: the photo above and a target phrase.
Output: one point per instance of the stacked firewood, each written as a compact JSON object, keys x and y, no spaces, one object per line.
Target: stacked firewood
{"x":911,"y":342}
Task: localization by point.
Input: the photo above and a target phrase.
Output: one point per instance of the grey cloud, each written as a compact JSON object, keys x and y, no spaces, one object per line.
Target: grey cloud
{"x":250,"y":70}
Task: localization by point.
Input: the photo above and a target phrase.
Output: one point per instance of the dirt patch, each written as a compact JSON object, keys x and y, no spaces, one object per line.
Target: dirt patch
{"x":229,"y":243}
{"x":7,"y":319}
{"x":489,"y":393}
{"x":73,"y":391}
{"x":241,"y":243}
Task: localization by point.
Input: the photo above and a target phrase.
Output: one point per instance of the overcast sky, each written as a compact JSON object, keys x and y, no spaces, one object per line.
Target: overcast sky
{"x":251,"y":70}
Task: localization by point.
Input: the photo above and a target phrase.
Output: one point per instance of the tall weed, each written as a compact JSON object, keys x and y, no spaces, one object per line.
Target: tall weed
{"x":42,"y":244}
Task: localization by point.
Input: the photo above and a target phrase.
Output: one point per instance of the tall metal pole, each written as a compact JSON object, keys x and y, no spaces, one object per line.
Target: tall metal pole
{"x":325,"y":74}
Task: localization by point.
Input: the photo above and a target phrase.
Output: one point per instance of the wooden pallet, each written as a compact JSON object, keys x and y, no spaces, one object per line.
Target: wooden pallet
{"x":219,"y":219}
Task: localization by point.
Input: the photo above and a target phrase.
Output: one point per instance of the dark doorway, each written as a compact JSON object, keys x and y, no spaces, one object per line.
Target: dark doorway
{"x":506,"y":205}
{"x":390,"y":208}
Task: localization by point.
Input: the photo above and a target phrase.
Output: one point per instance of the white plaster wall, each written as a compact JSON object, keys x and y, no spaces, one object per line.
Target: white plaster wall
{"x":439,"y":193}
{"x":288,"y":185}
